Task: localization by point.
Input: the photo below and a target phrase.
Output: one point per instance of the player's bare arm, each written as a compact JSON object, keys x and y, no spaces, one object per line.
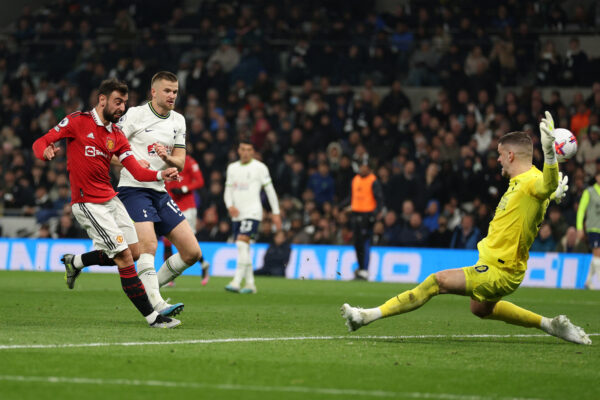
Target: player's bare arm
{"x":175,"y":159}
{"x":276,"y":218}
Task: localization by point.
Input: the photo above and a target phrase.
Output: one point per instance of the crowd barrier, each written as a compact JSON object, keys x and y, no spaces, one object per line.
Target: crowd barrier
{"x":387,"y":264}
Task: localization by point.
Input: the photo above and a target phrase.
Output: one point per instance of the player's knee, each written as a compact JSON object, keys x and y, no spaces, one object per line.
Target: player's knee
{"x":443,"y":281}
{"x":480,"y":311}
{"x":135,"y":254}
{"x":191,"y":257}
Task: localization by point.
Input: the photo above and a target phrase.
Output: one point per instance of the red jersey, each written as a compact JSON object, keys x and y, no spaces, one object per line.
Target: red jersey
{"x":192,"y":180}
{"x":90,"y":147}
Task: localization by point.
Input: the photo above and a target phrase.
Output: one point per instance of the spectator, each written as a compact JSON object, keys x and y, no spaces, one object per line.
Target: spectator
{"x":544,"y":242}
{"x":276,"y":257}
{"x":576,"y":64}
{"x":467,"y":235}
{"x":322,"y":185}
{"x":226,"y":56}
{"x":571,"y":243}
{"x":414,"y":234}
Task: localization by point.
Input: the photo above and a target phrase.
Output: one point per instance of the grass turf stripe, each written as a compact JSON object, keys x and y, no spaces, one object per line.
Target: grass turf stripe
{"x":254,"y":388}
{"x":267,"y":339}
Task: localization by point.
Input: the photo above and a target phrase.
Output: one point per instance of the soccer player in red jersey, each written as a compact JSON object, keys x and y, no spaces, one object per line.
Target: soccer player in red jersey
{"x":92,"y":140}
{"x":182,"y":192}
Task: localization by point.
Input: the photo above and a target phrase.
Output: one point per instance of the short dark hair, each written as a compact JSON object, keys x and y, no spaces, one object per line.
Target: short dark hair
{"x":112,"y":85}
{"x":163,"y":75}
{"x":245,"y":140}
{"x":520,"y":139}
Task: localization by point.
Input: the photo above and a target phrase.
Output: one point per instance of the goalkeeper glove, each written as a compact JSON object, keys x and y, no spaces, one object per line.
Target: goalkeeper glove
{"x":563,"y":187}
{"x":547,"y":138}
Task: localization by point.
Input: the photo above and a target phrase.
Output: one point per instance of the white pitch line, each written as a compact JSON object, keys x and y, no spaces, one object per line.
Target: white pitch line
{"x":261,"y":339}
{"x":254,"y":388}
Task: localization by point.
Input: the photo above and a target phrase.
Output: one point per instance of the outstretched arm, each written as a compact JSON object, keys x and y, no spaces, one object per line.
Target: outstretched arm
{"x":546,"y":186}
{"x":146,"y":175}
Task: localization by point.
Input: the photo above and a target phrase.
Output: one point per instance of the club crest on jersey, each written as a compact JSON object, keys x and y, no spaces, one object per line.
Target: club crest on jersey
{"x":120,"y":239}
{"x":151,"y":149}
{"x":110,"y":144}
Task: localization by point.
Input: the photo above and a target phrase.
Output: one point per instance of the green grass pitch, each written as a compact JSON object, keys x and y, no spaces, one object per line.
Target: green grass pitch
{"x":57,"y":343}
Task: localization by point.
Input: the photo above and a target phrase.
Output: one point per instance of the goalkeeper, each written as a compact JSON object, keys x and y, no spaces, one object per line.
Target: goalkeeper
{"x":503,"y":253}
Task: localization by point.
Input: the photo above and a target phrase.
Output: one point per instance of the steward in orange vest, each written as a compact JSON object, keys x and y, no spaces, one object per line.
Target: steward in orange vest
{"x":365,"y":203}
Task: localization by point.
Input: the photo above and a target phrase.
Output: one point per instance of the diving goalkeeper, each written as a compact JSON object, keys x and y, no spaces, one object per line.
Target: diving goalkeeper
{"x":503,"y":254}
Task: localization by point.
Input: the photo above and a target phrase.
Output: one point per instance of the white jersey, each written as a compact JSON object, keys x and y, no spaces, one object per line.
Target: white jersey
{"x":143,"y":127}
{"x":242,"y":189}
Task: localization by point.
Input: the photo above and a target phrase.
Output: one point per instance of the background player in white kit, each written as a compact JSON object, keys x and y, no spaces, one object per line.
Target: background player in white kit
{"x":157,"y":134}
{"x":245,"y":178}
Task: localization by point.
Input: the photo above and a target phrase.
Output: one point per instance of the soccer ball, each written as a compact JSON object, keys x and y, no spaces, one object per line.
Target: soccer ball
{"x":565,"y":144}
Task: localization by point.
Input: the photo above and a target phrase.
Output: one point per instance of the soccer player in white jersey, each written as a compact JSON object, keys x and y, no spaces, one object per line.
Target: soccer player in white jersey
{"x":157,"y":135}
{"x":245,"y":179}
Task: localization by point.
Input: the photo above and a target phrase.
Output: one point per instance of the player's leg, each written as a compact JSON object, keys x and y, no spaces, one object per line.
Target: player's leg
{"x":243,"y":245}
{"x":247,"y":231}
{"x":443,"y":282}
{"x":135,"y":291}
{"x":191,"y":216}
{"x":103,"y":223}
{"x":242,"y":231}
{"x":486,"y":285}
{"x":359,"y":241}
{"x":188,"y":252}
{"x":595,"y":263}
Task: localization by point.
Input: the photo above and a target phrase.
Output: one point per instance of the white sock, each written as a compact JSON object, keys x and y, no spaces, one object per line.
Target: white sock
{"x":78,"y":262}
{"x":594,"y":268}
{"x":171,"y":269}
{"x":244,"y":257}
{"x":242,"y":261}
{"x":371,"y":314}
{"x":151,"y":317}
{"x":546,"y":325}
{"x":147,"y":274}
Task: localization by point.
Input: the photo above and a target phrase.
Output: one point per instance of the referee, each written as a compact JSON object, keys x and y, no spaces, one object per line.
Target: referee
{"x":366,"y":202}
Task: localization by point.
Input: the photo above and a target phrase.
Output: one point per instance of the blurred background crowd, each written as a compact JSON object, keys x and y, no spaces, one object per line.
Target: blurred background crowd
{"x":421,"y":90}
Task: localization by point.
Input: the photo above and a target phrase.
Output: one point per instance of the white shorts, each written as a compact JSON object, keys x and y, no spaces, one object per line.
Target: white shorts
{"x":107,"y":224}
{"x":191,"y":215}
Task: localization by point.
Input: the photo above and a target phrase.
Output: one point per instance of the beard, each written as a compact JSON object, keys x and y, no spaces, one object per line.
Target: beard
{"x":114,"y":117}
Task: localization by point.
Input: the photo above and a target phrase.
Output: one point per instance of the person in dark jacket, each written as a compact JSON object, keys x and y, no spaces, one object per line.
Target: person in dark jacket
{"x":276,"y":257}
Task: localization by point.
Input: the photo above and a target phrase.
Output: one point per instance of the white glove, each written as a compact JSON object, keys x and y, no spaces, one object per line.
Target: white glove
{"x":563,"y":187}
{"x":547,"y":138}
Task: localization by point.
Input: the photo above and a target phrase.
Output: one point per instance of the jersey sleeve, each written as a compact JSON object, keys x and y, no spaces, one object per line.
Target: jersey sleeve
{"x":265,"y":177}
{"x":228,"y":192}
{"x":583,"y":205}
{"x":64,"y":129}
{"x":197,"y":181}
{"x":127,"y":123}
{"x":123,"y":149}
{"x":270,"y":190}
{"x":543,"y":186}
{"x":180,"y":134}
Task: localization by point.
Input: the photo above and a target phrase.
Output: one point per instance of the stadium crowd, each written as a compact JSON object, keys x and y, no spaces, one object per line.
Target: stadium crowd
{"x":319,"y":91}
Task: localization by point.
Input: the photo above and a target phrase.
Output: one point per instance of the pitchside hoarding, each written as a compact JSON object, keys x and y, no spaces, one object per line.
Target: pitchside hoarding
{"x":388,"y":264}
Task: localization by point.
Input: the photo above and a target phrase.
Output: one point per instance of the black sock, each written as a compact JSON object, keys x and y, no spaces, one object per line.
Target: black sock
{"x":96,"y":257}
{"x":134,"y":289}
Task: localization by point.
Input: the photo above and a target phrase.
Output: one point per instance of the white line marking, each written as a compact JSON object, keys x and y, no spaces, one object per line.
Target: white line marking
{"x":284,"y":389}
{"x":261,"y":339}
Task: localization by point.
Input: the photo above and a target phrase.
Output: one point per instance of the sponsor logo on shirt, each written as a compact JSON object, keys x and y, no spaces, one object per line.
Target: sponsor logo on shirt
{"x":152,"y":151}
{"x":91,"y":151}
{"x":241,"y":186}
